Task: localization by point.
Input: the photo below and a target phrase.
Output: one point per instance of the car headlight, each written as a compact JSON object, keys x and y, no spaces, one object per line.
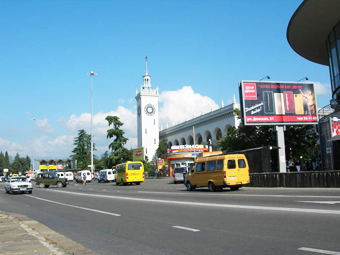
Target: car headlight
{"x":14,"y":186}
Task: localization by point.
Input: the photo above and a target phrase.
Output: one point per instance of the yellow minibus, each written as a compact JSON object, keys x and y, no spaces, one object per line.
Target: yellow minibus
{"x":130,"y":172}
{"x":218,"y":172}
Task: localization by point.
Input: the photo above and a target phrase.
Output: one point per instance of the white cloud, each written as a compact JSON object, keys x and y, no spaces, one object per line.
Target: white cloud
{"x":43,"y":126}
{"x":100,"y":127}
{"x":13,"y":148}
{"x":183,"y":104}
{"x":322,"y":89}
{"x":174,"y":106}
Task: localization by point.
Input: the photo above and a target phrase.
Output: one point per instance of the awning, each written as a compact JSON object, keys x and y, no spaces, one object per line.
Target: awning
{"x":335,"y":138}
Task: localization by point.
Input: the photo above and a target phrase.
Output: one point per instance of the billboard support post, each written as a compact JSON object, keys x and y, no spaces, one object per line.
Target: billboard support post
{"x":282,"y":151}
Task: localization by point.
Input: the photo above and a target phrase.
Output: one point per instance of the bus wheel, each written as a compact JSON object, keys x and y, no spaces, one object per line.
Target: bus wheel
{"x":211,"y":186}
{"x":137,"y":183}
{"x":189,"y":187}
{"x":234,"y":188}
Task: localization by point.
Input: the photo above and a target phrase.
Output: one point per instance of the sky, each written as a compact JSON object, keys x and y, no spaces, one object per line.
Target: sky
{"x":198,"y":51}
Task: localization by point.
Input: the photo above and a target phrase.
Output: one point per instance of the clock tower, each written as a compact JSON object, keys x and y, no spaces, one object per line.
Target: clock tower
{"x":147,"y":117}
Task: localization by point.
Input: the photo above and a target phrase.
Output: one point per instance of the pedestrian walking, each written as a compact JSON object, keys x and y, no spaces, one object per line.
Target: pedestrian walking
{"x":84,"y":179}
{"x":298,"y":165}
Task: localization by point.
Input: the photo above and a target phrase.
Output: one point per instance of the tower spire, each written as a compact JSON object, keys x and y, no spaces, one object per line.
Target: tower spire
{"x":146,"y":65}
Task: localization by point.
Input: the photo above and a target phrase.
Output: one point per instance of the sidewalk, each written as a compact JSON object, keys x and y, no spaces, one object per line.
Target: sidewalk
{"x":22,"y":235}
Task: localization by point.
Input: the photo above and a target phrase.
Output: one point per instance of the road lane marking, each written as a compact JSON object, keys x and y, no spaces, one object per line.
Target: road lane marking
{"x":319,"y":251}
{"x":236,"y":195}
{"x":321,"y":202}
{"x":74,"y":206}
{"x":189,"y":229}
{"x":249,"y":207}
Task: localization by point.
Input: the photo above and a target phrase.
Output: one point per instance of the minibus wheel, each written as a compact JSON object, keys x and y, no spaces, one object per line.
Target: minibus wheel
{"x":189,"y":187}
{"x":211,"y":186}
{"x":234,"y":188}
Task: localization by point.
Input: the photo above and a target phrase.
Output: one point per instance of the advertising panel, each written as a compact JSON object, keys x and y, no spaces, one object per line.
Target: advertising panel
{"x":278,"y":103}
{"x":138,"y":154}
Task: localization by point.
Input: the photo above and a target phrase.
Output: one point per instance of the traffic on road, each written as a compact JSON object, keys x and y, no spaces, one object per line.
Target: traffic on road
{"x":161,"y":217}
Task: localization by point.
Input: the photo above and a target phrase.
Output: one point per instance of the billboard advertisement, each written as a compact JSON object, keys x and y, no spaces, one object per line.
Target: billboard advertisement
{"x":278,"y":103}
{"x":138,"y":154}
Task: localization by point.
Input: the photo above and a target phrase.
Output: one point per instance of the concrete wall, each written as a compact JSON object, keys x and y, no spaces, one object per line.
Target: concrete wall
{"x":315,"y":179}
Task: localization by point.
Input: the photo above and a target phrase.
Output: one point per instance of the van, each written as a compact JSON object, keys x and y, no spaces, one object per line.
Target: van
{"x":219,"y":171}
{"x":130,"y":172}
{"x":79,"y":176}
{"x":107,"y":175}
{"x":69,"y":176}
{"x":66,"y":175}
{"x":61,"y":175}
{"x":178,"y":174}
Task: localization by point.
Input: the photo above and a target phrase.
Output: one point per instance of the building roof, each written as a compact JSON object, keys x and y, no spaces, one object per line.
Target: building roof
{"x":310,"y":26}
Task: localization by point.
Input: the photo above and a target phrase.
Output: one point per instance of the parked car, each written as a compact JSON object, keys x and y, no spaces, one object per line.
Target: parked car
{"x":50,"y":178}
{"x":18,"y":185}
{"x":69,"y":176}
{"x":79,"y":176}
{"x":178,"y":174}
{"x":66,"y":175}
{"x":107,"y":175}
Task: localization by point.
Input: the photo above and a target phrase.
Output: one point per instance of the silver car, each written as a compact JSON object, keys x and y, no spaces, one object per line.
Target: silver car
{"x":18,"y":185}
{"x":178,"y":174}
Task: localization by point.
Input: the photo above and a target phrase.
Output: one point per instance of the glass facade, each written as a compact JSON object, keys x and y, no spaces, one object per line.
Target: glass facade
{"x":333,"y":47}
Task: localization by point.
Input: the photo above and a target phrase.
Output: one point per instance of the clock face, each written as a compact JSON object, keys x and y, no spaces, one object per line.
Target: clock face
{"x":150,"y":109}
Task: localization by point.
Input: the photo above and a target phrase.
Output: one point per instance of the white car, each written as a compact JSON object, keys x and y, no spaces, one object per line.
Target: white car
{"x":18,"y":185}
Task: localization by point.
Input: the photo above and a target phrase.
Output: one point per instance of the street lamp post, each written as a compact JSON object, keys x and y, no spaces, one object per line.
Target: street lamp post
{"x":33,"y":144}
{"x":91,"y":74}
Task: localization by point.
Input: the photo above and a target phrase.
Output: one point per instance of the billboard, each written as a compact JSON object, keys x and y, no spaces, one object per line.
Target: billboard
{"x":138,"y":154}
{"x":278,"y":103}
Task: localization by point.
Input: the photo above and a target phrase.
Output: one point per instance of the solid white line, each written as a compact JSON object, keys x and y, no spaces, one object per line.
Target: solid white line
{"x":321,"y":202}
{"x":189,"y":229}
{"x":237,"y":195}
{"x":319,"y":251}
{"x":74,"y":206}
{"x":187,"y":203}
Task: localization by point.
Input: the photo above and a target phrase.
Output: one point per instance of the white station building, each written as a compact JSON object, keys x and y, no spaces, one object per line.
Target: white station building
{"x":204,"y":130}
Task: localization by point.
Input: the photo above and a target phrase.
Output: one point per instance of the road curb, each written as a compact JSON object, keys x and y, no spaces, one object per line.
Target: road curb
{"x":22,"y":235}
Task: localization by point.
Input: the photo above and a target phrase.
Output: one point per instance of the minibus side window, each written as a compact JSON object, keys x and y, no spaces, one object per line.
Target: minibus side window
{"x":241,"y":163}
{"x":231,"y":164}
{"x":200,"y":167}
{"x":220,"y":165}
{"x":211,"y":166}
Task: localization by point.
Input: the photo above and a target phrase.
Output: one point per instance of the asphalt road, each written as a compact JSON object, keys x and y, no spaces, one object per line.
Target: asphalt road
{"x":159,"y":217}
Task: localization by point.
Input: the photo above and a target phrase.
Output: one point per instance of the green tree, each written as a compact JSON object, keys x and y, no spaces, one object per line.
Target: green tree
{"x":119,"y":141}
{"x":7,"y":164}
{"x":2,"y":161}
{"x":119,"y":153}
{"x":19,"y":165}
{"x":301,"y":139}
{"x":162,"y":148}
{"x":82,"y":149}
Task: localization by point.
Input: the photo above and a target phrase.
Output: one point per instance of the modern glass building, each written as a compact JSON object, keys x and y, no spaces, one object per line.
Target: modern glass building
{"x":314,"y":33}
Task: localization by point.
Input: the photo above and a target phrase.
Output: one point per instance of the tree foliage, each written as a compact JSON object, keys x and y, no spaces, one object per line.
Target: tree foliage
{"x":82,"y":149}
{"x":162,"y":148}
{"x":118,"y":153}
{"x":19,"y":165}
{"x":299,"y":140}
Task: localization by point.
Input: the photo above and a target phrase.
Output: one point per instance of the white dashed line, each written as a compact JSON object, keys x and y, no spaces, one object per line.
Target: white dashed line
{"x":319,"y":251}
{"x":74,"y":206}
{"x":188,"y":229}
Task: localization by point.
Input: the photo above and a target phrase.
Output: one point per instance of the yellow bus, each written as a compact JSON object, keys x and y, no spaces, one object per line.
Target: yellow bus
{"x":130,"y":172}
